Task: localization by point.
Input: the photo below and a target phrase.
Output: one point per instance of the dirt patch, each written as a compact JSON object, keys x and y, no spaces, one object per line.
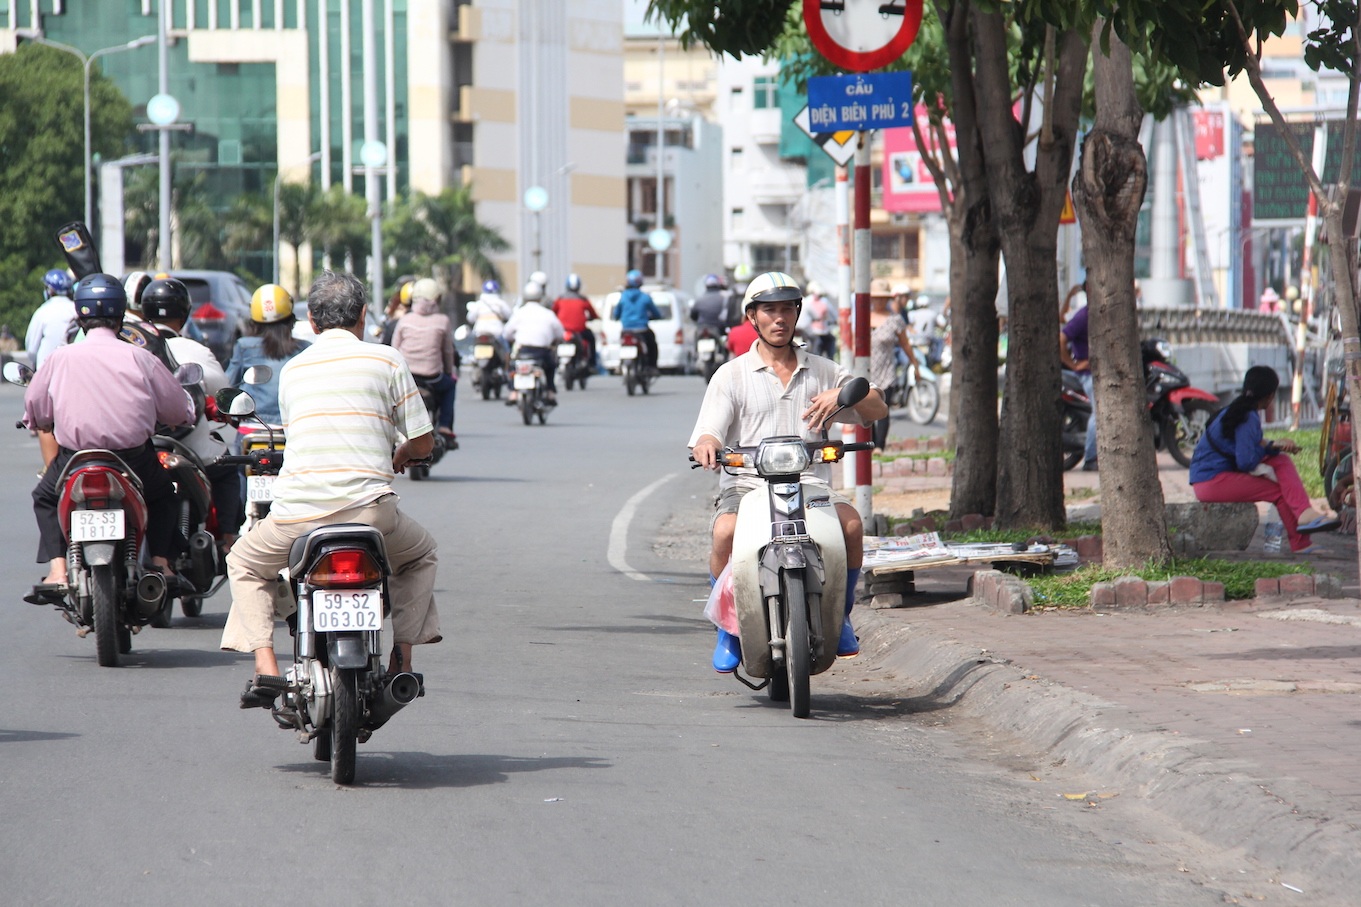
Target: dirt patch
{"x":901,"y":504}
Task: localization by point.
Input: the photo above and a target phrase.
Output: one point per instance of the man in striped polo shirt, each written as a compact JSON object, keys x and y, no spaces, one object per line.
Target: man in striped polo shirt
{"x":343,"y":403}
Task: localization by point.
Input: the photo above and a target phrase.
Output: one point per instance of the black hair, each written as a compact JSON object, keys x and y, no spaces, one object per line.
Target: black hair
{"x":336,"y":300}
{"x":1259,"y":383}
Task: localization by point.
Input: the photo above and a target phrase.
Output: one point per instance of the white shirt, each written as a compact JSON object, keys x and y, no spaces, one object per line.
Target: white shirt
{"x":745,"y":403}
{"x":47,"y":328}
{"x":203,"y":440}
{"x":534,"y":325}
{"x":488,"y":314}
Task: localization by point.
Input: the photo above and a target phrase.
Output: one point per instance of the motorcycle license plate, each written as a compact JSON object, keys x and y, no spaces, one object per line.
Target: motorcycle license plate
{"x":567,"y":350}
{"x":260,"y":488}
{"x":96,"y":525}
{"x":706,"y":346}
{"x":348,"y":609}
{"x":628,"y":352}
{"x":484,"y":351}
{"x":525,"y":382}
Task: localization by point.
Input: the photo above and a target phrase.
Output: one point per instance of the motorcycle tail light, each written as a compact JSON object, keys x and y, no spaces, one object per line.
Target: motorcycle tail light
{"x":680,"y":337}
{"x":96,"y":488}
{"x":345,"y":567}
{"x":209,"y":312}
{"x":169,"y":459}
{"x":628,"y":340}
{"x":524,"y":367}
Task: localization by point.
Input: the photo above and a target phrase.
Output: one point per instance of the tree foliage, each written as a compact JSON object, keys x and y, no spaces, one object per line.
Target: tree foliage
{"x":42,"y":150}
{"x":439,"y":234}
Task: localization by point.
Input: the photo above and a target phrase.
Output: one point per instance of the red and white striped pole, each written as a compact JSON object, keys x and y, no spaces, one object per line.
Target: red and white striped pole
{"x":843,"y":297}
{"x":864,"y":501}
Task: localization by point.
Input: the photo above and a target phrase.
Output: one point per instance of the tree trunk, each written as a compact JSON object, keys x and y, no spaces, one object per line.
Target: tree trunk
{"x":973,"y":289}
{"x":1026,"y":206}
{"x":1108,"y":190}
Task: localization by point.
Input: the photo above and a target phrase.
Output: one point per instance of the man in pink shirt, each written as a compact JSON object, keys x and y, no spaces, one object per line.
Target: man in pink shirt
{"x":108,"y":394}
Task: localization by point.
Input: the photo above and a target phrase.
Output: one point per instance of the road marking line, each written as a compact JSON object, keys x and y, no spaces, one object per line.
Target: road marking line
{"x":619,"y":530}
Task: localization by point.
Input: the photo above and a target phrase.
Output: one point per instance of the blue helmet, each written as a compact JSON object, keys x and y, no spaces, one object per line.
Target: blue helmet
{"x":713,"y":282}
{"x":57,"y":282}
{"x":100,"y":296}
{"x":491,"y":287}
{"x":574,"y":283}
{"x":634,"y":278}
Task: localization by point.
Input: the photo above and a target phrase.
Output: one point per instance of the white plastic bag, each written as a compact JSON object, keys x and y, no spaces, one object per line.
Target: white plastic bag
{"x":721,"y":608}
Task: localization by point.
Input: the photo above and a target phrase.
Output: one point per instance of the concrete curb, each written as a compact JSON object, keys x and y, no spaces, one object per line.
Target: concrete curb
{"x":1284,"y":826}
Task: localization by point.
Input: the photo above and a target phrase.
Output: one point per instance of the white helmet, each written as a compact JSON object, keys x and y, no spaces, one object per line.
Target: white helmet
{"x":540,"y":278}
{"x":772,"y":286}
{"x":425,"y":288}
{"x":533,"y":292}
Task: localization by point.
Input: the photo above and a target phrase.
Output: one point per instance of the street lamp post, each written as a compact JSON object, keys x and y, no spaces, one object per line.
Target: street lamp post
{"x":85,"y":63}
{"x":278,"y":178}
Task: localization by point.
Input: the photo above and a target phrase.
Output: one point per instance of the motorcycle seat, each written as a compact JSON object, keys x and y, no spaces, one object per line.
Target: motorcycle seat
{"x":305,"y":547}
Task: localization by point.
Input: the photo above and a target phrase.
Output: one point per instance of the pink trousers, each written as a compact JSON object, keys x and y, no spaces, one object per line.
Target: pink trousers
{"x":1287,"y":494}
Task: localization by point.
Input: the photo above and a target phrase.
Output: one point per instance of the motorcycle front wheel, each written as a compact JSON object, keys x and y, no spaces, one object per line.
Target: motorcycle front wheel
{"x":797,"y":649}
{"x":105,"y":595}
{"x":1182,"y":433}
{"x":344,"y":723}
{"x":923,"y":402}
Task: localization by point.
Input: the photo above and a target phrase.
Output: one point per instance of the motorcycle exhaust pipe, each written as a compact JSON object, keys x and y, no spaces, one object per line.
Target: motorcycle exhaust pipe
{"x":150,"y":594}
{"x":203,"y":559}
{"x":399,"y":692}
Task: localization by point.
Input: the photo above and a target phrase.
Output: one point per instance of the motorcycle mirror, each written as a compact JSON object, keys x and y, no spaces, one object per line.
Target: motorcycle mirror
{"x":18,"y":373}
{"x":189,"y":374}
{"x":461,"y":332}
{"x":235,"y":402}
{"x":854,"y":391}
{"x":257,"y":374}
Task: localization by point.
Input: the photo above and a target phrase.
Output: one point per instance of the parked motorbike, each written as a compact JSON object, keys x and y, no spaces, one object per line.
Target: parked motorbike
{"x":574,"y":360}
{"x":421,"y":471}
{"x":532,"y":389}
{"x":112,"y":588}
{"x":710,"y":351}
{"x":789,"y":564}
{"x":489,"y":372}
{"x":1180,"y":413}
{"x":631,"y":364}
{"x":915,"y":389}
{"x":339,"y":691}
{"x":1077,"y":407}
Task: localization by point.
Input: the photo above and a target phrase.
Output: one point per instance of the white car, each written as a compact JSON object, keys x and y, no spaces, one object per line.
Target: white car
{"x":675,"y":350}
{"x":302,"y":328}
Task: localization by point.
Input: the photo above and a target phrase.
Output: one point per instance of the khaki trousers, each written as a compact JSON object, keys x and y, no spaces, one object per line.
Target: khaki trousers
{"x":255,"y":560}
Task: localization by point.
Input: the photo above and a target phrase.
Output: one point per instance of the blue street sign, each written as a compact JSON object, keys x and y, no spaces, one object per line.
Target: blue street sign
{"x":861,"y":101}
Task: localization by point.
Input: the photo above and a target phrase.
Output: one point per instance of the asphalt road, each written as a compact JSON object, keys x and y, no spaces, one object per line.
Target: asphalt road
{"x":574,"y":746}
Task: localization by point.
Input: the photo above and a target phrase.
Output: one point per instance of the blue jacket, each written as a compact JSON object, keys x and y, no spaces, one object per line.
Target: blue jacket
{"x":249,"y":351}
{"x":1217,"y":453}
{"x":634,"y":310}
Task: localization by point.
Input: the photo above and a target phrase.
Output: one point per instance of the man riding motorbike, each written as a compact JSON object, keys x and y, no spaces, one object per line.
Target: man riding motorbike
{"x":110,"y":395}
{"x":775,"y":389}
{"x":424,"y":338}
{"x":574,"y":311}
{"x":538,"y":331}
{"x":633,"y":311}
{"x":712,"y":310}
{"x":166,"y":305}
{"x":343,"y":402}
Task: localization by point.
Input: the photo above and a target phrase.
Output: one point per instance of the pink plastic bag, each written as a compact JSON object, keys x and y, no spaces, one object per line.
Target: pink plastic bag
{"x":722,"y":606}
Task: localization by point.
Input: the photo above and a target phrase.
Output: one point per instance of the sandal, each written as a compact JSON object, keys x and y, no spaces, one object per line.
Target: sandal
{"x":261,"y":691}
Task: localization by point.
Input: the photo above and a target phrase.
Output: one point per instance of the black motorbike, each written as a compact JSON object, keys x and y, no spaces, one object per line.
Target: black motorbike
{"x":710,"y":350}
{"x":1077,"y":408}
{"x":489,"y":367}
{"x":575,"y":360}
{"x":430,"y":398}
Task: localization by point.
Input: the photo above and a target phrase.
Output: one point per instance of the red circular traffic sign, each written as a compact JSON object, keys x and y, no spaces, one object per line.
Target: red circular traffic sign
{"x":861,"y":35}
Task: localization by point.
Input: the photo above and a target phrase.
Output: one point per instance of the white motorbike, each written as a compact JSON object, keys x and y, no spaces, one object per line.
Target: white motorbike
{"x":789,"y":564}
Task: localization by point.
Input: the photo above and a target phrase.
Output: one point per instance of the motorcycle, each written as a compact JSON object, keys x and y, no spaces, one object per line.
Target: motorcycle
{"x":488,"y":369}
{"x":530,"y":385}
{"x":200,"y":566}
{"x":1077,"y":407}
{"x":1180,"y":413}
{"x":420,"y":472}
{"x":112,"y":589}
{"x":338,"y":690}
{"x":574,"y":360}
{"x":710,"y":351}
{"x":915,"y":389}
{"x":789,"y":564}
{"x":631,"y":364}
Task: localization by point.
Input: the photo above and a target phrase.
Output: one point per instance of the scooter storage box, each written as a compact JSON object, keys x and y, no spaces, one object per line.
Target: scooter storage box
{"x":752,"y":535}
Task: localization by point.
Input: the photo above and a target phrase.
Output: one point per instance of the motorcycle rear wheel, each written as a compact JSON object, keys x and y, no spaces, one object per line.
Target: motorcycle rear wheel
{"x":1075,"y":426}
{"x":344,"y":723}
{"x":1182,"y":433}
{"x":526,"y":408}
{"x":630,"y":380}
{"x":105,"y":595}
{"x":191,"y":605}
{"x":797,"y":650}
{"x":923,"y":402}
{"x":418,"y":473}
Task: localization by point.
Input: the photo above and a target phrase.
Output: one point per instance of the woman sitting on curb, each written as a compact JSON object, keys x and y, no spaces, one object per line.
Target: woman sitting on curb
{"x":1232,"y":463}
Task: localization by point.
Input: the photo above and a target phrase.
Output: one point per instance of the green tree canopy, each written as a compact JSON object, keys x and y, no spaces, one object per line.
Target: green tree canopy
{"x":42,"y":149}
{"x":439,"y":234}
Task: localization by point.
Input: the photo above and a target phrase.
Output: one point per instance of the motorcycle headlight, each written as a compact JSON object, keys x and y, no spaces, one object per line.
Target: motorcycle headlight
{"x":1164,"y":349}
{"x":782,"y":458}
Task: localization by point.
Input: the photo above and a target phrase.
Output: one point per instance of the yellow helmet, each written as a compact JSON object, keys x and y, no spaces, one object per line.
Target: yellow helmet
{"x":270,"y":303}
{"x":404,"y":295}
